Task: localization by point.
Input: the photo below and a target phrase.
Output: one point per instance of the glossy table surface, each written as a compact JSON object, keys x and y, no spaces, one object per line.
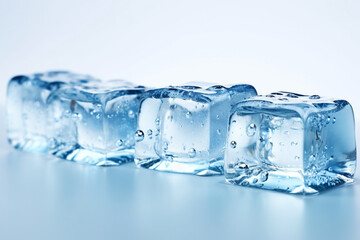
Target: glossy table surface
{"x":42,"y":197}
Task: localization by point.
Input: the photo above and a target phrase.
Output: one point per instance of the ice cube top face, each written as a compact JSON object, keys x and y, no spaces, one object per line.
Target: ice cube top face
{"x":27,"y":109}
{"x":95,"y":123}
{"x":291,"y":142}
{"x":183,"y":129}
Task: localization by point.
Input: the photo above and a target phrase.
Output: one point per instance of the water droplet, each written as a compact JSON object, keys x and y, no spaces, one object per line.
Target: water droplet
{"x":119,"y":143}
{"x":241,"y":165}
{"x":244,"y":183}
{"x":139,"y":136}
{"x":233,"y":121}
{"x":294,"y":144}
{"x":255,"y":180}
{"x":292,"y":95}
{"x":157,"y":132}
{"x":314,"y":97}
{"x":334,"y":120}
{"x":251,"y":129}
{"x":165,"y":146}
{"x":149,"y":133}
{"x":98,"y":116}
{"x":264,"y":176}
{"x":157,"y":121}
{"x":328,"y":120}
{"x":76,"y":116}
{"x":233,"y":144}
{"x":217,"y":116}
{"x":312,"y":158}
{"x":192,"y":152}
{"x":131,"y":114}
{"x":188,"y":115}
{"x":202,"y":124}
{"x":218,"y":131}
{"x":297,"y":158}
{"x":331,"y":158}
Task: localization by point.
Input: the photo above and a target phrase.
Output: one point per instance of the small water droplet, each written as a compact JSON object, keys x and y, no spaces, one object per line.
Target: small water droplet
{"x":192,"y":152}
{"x":251,"y":129}
{"x":202,"y":124}
{"x":255,"y":180}
{"x":149,"y":133}
{"x":157,"y":121}
{"x":297,"y":158}
{"x":294,"y":144}
{"x":331,"y":158}
{"x":139,"y":136}
{"x":314,"y":97}
{"x":131,"y":114}
{"x":218,"y":131}
{"x":241,"y":165}
{"x":328,"y":120}
{"x":233,"y":121}
{"x":119,"y":143}
{"x":165,"y":146}
{"x":334,"y":120}
{"x":98,"y":116}
{"x":188,"y":115}
{"x":244,"y":183}
{"x":233,"y":144}
{"x":217,"y":116}
{"x":157,"y":132}
{"x":76,"y":116}
{"x":264,"y":176}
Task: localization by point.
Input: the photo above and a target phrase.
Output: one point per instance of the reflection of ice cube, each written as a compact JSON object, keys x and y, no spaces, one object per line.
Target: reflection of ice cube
{"x":291,"y":142}
{"x":27,"y":109}
{"x":95,"y":123}
{"x":188,"y":126}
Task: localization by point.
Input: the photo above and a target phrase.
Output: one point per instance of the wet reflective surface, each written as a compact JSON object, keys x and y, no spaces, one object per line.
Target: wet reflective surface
{"x":42,"y":197}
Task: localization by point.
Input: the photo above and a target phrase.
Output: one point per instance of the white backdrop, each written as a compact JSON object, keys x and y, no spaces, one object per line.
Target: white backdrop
{"x":308,"y":47}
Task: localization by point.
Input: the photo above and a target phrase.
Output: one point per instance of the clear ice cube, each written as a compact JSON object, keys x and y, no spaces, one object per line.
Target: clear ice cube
{"x":291,"y":142}
{"x":183,"y":129}
{"x":27,"y":110}
{"x":95,"y":123}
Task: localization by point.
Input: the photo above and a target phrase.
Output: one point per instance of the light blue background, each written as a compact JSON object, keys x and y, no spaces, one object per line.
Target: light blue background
{"x":309,"y":47}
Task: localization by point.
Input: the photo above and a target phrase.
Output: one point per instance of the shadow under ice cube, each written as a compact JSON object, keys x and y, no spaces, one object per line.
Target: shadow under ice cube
{"x":95,"y":123}
{"x":291,"y":142}
{"x":27,"y":109}
{"x":183,"y":129}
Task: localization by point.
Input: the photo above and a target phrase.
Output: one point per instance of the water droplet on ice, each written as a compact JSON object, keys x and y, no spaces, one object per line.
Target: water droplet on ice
{"x":314,"y":97}
{"x":131,"y":114}
{"x":233,"y":144}
{"x":264,"y":176}
{"x":119,"y":142}
{"x":192,"y":152}
{"x":139,"y":136}
{"x":188,"y":115}
{"x":251,"y":129}
{"x":157,"y":121}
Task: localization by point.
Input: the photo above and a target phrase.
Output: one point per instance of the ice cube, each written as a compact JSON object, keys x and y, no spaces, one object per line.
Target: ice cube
{"x":183,"y":129}
{"x":95,"y":123}
{"x":27,"y":109}
{"x":291,"y":142}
